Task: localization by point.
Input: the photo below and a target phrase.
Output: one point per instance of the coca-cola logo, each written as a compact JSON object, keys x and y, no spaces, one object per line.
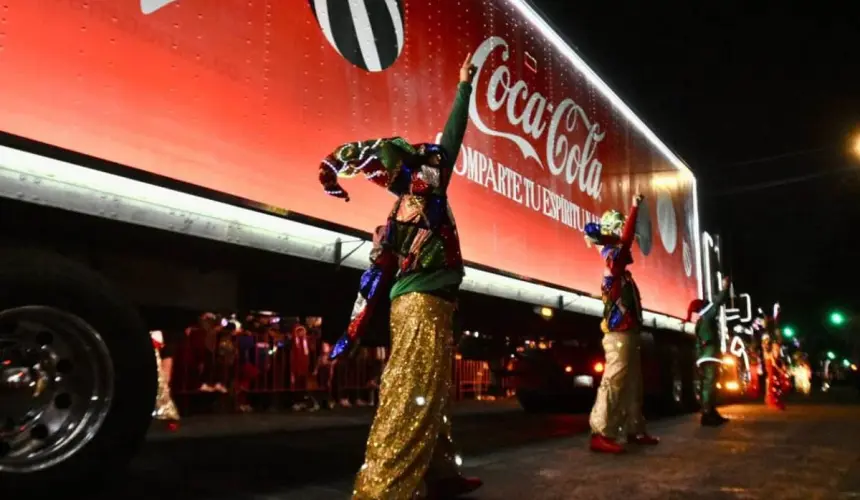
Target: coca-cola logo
{"x":534,"y":117}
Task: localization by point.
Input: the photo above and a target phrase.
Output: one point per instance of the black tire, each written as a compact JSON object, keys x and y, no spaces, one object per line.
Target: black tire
{"x":39,"y":278}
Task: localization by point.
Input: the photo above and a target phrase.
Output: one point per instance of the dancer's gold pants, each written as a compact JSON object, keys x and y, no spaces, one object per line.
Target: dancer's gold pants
{"x":410,"y":439}
{"x":618,"y":408}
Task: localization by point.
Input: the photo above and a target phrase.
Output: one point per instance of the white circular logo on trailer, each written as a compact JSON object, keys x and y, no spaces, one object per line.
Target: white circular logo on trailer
{"x":667,"y":222}
{"x":150,"y":6}
{"x":643,"y":228}
{"x":688,"y":258}
{"x":367,"y":33}
{"x":689,"y":212}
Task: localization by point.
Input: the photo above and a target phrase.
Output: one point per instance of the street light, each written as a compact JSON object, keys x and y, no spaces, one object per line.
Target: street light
{"x":837,"y":318}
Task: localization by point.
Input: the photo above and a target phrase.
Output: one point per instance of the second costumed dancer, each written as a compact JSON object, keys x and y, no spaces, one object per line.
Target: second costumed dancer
{"x":618,"y":408}
{"x":418,"y":264}
{"x":709,"y":352}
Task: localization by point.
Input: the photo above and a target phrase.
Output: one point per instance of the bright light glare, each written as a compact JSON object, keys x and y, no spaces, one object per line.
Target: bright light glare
{"x":546,"y":312}
{"x":732,"y":386}
{"x":837,"y":318}
{"x":598,"y":367}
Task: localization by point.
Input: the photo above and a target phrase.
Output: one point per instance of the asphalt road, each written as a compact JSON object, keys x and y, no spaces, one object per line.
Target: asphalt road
{"x":810,"y":451}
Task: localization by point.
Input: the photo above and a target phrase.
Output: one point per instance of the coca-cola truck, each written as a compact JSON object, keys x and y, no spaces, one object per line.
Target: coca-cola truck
{"x":163,"y":154}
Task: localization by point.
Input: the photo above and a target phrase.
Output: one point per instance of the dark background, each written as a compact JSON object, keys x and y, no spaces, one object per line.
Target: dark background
{"x":762,"y":102}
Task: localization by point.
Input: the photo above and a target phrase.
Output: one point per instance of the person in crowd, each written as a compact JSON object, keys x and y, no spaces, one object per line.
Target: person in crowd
{"x":618,"y":406}
{"x":314,"y":327}
{"x":775,"y":373}
{"x":324,"y":374}
{"x":247,"y":371}
{"x":410,"y":447}
{"x":196,"y":356}
{"x":708,"y":350}
{"x":377,"y":365}
{"x":300,"y":369}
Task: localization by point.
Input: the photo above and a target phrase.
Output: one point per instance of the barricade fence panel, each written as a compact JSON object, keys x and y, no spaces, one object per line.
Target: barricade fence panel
{"x":261,"y":371}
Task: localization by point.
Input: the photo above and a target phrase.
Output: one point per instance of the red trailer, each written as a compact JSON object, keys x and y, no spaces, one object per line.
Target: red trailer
{"x":208,"y":120}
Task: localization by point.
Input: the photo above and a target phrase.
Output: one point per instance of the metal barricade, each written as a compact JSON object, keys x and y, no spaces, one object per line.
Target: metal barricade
{"x":260,"y":371}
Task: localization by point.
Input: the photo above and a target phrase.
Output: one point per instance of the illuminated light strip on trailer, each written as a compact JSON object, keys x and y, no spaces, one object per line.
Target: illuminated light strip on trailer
{"x":708,"y":359}
{"x":708,"y":243}
{"x":748,"y":300}
{"x":739,"y":349}
{"x":733,"y":314}
{"x":525,"y":8}
{"x":45,"y":181}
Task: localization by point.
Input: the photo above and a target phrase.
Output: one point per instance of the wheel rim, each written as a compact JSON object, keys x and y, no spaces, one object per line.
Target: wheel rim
{"x":56,"y":387}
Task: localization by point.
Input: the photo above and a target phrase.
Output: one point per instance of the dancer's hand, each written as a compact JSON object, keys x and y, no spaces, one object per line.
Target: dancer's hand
{"x":637,"y":199}
{"x":467,"y":70}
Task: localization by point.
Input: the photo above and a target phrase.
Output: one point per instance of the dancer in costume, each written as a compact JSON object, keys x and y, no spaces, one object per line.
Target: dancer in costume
{"x":618,"y":408}
{"x":420,"y":268}
{"x":708,"y":350}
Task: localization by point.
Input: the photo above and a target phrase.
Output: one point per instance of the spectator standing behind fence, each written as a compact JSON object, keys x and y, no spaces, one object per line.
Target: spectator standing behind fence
{"x":300,"y":365}
{"x":247,"y":370}
{"x":197,"y":355}
{"x":323,"y":372}
{"x":314,"y":326}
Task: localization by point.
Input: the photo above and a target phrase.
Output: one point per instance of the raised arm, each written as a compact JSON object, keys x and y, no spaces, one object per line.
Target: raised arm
{"x":719,"y":300}
{"x":455,"y":128}
{"x":629,"y":231}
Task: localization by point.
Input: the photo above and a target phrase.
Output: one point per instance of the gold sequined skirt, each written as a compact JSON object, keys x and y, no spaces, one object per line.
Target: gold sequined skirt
{"x":410,"y":439}
{"x":617,"y":410}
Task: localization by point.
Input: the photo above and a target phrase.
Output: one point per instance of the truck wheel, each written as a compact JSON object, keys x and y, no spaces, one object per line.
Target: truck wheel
{"x":77,"y":374}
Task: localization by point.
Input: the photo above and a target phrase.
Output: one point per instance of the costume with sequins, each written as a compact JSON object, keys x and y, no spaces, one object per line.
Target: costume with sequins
{"x":418,"y":265}
{"x":618,"y":406}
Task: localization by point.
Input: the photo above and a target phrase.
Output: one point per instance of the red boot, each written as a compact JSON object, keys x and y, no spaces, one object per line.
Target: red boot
{"x":453,"y":487}
{"x":643,"y":439}
{"x":603,"y":444}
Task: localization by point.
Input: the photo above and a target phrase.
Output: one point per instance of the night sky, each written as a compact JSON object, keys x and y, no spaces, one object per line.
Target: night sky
{"x":724,"y":87}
